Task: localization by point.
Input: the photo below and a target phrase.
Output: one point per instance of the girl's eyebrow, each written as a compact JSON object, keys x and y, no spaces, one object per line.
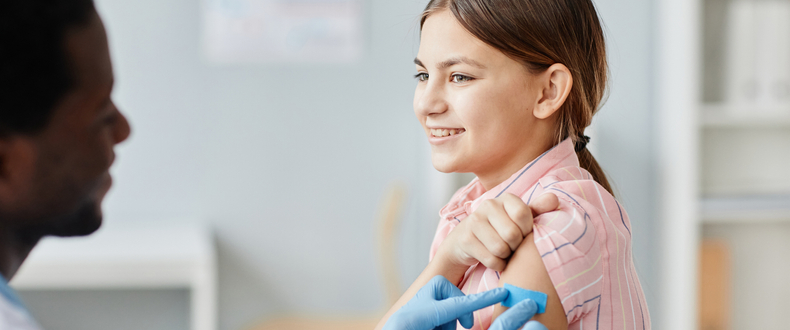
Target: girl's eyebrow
{"x":453,"y":61}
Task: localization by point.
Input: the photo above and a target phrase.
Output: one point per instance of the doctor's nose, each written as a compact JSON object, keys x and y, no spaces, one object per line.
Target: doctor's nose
{"x":429,"y":101}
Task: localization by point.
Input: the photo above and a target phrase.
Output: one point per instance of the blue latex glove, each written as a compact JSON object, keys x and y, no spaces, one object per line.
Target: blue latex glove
{"x":516,"y":316}
{"x":440,"y":303}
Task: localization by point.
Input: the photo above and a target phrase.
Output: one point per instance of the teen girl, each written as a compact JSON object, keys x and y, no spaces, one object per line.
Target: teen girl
{"x":505,"y":90}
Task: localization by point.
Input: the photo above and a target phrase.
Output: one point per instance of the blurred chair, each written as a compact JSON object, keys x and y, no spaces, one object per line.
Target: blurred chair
{"x":389,"y":220}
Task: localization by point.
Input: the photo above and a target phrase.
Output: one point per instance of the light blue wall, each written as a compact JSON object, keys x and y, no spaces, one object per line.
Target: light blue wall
{"x":288,"y":163}
{"x":625,"y":129}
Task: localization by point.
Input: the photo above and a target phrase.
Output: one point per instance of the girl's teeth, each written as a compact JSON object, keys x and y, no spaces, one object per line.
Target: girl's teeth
{"x":445,"y":132}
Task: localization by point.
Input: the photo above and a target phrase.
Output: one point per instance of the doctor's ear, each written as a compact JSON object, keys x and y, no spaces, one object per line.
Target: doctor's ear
{"x":555,"y":85}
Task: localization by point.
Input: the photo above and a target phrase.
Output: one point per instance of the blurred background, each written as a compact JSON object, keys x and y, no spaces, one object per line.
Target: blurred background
{"x":276,"y":177}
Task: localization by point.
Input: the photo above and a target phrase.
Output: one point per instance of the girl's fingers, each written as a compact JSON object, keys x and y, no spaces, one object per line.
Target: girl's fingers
{"x":505,"y":226}
{"x":519,"y":213}
{"x":545,"y":203}
{"x":491,"y":239}
{"x":480,"y":252}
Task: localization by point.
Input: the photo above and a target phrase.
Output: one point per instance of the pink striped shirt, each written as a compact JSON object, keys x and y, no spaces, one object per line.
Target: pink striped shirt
{"x":585,"y":245}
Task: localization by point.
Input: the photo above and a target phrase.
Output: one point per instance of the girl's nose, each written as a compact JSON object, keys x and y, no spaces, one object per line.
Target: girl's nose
{"x":431,"y":101}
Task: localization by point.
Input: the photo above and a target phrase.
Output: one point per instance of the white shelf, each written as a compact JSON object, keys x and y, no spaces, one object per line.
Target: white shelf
{"x":154,"y":256}
{"x":745,"y":116}
{"x":746,"y":209}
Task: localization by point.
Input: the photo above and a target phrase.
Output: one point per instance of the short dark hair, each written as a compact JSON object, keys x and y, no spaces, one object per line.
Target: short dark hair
{"x":35,"y":71}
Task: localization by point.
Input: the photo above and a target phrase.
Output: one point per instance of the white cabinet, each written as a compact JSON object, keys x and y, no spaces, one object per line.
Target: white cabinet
{"x":723,"y":110}
{"x":155,"y":256}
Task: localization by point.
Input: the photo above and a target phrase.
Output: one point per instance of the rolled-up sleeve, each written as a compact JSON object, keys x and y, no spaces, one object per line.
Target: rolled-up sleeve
{"x":568,"y":242}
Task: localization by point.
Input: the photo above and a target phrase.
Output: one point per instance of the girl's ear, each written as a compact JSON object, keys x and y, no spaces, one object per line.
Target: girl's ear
{"x":556,"y":83}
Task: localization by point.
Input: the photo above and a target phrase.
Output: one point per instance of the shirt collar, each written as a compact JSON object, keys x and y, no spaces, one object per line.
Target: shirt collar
{"x":467,"y":200}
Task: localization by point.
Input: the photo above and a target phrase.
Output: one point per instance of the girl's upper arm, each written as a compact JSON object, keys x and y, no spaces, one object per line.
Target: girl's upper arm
{"x":561,"y":258}
{"x":526,"y":270}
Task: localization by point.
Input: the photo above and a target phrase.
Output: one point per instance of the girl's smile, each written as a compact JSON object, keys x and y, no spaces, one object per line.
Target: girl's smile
{"x":439,"y":135}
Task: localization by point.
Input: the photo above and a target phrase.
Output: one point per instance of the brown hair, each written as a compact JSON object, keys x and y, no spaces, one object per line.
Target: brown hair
{"x":539,"y":33}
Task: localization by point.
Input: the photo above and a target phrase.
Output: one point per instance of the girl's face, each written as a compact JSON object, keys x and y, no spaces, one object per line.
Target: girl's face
{"x":475,"y":103}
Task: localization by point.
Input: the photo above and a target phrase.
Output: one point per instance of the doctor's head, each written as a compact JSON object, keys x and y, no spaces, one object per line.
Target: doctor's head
{"x":501,"y":81}
{"x":58,"y":124}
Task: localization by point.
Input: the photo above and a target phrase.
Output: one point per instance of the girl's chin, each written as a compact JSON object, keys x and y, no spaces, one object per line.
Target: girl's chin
{"x":445,"y":165}
{"x":443,"y":170}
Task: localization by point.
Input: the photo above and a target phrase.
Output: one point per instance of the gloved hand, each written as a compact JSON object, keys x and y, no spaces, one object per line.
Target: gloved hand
{"x":516,"y":316}
{"x":440,"y":303}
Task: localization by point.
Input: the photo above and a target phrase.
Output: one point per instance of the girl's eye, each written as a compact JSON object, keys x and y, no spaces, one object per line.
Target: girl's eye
{"x":422,"y":76}
{"x":459,"y":78}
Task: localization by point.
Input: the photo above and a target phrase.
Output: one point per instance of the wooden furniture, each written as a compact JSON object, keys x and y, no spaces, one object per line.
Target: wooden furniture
{"x":317,"y":323}
{"x":714,"y":288}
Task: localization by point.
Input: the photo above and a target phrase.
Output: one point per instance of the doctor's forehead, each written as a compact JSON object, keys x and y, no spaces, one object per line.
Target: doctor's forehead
{"x":88,"y":52}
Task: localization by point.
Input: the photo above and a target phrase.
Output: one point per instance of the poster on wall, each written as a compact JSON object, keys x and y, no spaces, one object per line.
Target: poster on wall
{"x":282,"y":31}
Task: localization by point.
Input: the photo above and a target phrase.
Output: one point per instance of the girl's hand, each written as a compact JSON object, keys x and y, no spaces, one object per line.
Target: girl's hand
{"x":493,"y":231}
